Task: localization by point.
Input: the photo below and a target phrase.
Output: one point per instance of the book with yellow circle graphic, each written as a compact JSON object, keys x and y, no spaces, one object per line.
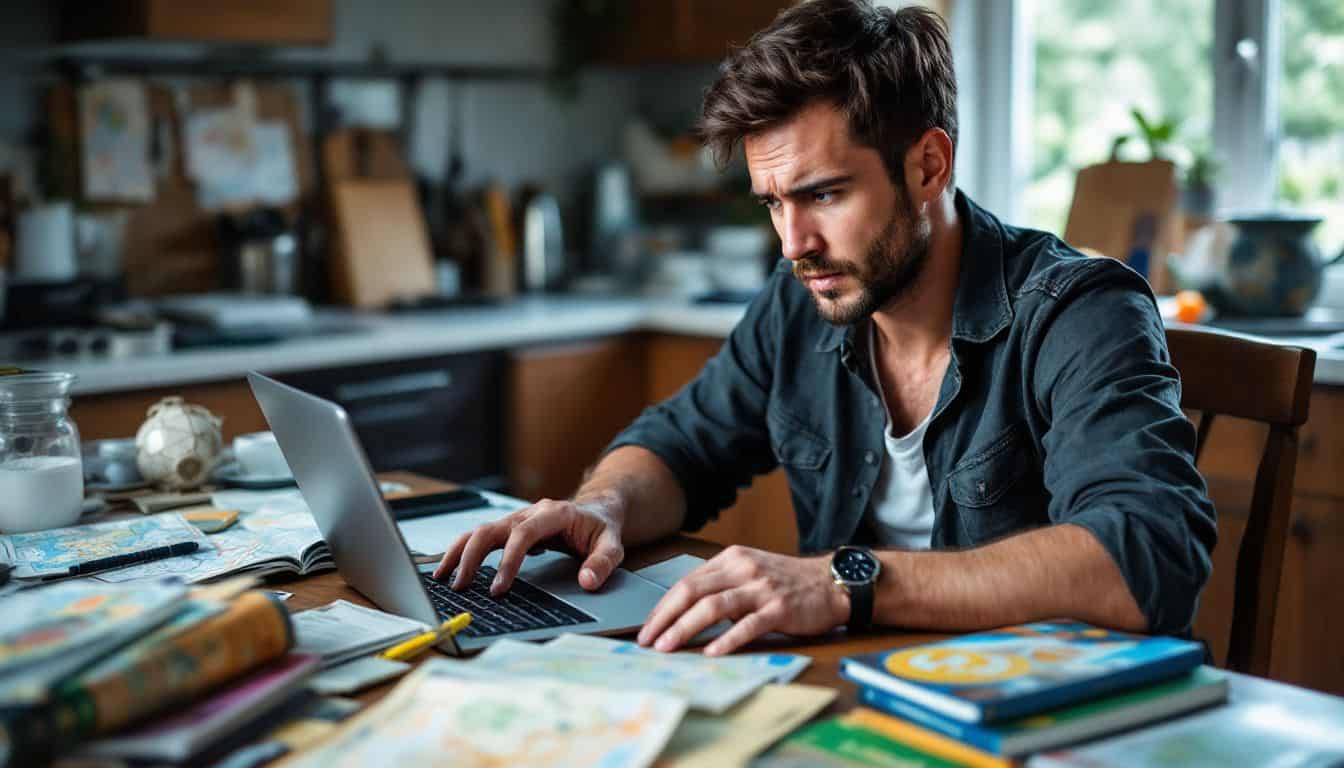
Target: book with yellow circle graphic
{"x":1022,"y":670}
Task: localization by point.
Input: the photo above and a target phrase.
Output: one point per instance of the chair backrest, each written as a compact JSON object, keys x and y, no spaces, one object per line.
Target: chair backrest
{"x":1259,"y":381}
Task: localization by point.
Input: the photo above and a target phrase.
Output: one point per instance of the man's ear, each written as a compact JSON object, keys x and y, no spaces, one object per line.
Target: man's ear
{"x":928,"y":166}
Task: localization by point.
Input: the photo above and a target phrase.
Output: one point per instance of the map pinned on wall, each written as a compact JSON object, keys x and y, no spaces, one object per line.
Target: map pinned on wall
{"x":114,"y":146}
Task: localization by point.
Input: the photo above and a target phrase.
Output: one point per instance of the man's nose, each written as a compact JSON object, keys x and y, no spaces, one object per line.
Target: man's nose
{"x":797,"y":234}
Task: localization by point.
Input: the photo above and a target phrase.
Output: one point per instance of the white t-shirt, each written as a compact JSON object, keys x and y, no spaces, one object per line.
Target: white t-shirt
{"x":901,"y":508}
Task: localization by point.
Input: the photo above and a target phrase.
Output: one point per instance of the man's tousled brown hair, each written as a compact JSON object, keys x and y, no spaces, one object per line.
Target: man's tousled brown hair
{"x":889,"y":72}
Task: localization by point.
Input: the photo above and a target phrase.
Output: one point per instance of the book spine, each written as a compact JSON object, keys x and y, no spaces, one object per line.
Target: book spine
{"x":1087,"y":690}
{"x":139,"y":682}
{"x":935,"y":744}
{"x":885,"y":702}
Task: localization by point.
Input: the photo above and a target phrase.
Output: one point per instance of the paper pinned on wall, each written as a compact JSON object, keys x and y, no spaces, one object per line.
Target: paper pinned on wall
{"x":236,"y":161}
{"x":114,"y":147}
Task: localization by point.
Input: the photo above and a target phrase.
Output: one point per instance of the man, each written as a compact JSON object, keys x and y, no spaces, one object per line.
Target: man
{"x":993,"y":412}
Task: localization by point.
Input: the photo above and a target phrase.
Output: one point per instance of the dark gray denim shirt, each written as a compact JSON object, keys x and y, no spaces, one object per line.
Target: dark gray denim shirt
{"x":1059,"y":405}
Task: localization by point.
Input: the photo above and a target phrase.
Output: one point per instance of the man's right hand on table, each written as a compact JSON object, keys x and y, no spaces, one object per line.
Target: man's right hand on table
{"x":588,"y":529}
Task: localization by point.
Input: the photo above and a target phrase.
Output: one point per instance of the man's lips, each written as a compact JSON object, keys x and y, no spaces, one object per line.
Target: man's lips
{"x":822,"y":280}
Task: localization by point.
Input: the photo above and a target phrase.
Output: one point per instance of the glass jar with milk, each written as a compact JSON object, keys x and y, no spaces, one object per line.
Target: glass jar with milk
{"x":41,"y":472}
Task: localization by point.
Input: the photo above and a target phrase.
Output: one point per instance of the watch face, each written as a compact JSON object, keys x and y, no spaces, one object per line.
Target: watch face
{"x":855,"y":566}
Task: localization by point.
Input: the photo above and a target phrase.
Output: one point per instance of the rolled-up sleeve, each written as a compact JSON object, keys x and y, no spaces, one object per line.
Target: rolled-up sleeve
{"x":712,"y":434}
{"x":1119,"y":453}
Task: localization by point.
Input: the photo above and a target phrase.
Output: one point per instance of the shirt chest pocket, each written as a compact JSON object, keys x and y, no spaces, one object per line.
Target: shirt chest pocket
{"x":805,"y":456}
{"x":991,"y":489}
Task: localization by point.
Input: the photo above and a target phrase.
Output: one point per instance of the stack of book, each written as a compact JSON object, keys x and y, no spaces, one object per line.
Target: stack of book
{"x":993,"y":698}
{"x":81,"y":662}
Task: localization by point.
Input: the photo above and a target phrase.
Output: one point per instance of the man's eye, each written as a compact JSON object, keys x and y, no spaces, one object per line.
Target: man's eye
{"x":770,"y":202}
{"x":823,"y":197}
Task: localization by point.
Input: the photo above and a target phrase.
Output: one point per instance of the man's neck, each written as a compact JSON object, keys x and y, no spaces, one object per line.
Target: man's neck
{"x":920,"y":323}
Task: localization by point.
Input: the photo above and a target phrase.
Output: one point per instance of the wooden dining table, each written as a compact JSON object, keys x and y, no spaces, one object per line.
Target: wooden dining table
{"x":826,"y":652}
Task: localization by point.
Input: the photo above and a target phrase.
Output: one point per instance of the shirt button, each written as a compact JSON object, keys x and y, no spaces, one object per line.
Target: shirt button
{"x":877,"y":403}
{"x":858,"y":491}
{"x":869,"y":457}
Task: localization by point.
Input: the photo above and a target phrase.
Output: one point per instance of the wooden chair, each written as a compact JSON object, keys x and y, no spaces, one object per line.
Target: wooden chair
{"x":1259,"y":381}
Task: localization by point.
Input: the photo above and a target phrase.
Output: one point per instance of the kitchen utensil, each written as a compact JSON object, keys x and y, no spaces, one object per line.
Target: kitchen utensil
{"x":543,"y":244}
{"x":383,"y":250}
{"x":1274,"y":266}
{"x":615,"y":223}
{"x":260,"y":252}
{"x":1256,"y":265}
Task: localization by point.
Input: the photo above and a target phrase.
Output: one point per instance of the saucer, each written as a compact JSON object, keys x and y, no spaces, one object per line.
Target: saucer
{"x":234,"y":475}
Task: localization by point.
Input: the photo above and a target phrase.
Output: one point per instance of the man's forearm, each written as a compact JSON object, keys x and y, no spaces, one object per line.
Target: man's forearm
{"x":636,"y":487}
{"x":1057,"y":572}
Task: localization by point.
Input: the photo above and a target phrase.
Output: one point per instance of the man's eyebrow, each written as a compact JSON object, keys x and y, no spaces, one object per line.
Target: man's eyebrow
{"x":810,"y":187}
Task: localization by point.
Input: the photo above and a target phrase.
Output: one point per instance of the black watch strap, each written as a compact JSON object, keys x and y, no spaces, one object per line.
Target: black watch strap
{"x":860,"y":607}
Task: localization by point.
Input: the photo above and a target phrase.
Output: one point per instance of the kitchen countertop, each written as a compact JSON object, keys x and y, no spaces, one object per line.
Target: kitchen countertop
{"x":524,"y":322}
{"x":385,"y":337}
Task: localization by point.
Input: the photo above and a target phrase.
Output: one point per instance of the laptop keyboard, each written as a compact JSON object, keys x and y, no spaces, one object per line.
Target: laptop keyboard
{"x":522,"y":608}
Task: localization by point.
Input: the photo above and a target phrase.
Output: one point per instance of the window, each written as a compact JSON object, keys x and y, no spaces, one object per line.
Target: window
{"x":1094,"y":62}
{"x":1311,"y":113}
{"x":1257,"y":83}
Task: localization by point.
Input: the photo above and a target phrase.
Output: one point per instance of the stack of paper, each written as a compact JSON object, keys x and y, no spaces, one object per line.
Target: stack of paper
{"x":341,"y":631}
{"x":51,"y":632}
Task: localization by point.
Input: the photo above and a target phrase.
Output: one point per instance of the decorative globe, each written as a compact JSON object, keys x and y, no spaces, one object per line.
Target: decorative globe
{"x":178,"y":444}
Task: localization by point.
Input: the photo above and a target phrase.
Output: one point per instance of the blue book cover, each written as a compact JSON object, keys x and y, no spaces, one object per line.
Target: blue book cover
{"x":1023,"y":670}
{"x":1098,"y":717}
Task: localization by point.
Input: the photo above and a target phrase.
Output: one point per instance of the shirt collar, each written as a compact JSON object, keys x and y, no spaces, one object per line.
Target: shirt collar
{"x":981,"y":307}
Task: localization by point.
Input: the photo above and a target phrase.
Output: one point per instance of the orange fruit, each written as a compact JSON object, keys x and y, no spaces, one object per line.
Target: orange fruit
{"x":1190,"y":306}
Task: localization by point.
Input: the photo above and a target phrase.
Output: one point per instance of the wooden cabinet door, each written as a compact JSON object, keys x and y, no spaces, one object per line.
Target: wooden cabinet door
{"x":567,"y":403}
{"x":297,"y":22}
{"x":120,"y":414}
{"x":687,"y":31}
{"x":763,"y":515}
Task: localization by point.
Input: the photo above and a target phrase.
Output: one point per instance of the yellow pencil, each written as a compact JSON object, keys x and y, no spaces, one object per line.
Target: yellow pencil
{"x":411,"y":648}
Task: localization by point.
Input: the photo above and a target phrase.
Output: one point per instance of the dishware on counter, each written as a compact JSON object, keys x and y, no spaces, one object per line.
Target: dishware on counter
{"x":110,"y":466}
{"x":41,"y":469}
{"x":233,"y":475}
{"x":178,"y":444}
{"x":44,"y":243}
{"x":258,"y":454}
{"x":736,"y":260}
{"x":1257,"y":265}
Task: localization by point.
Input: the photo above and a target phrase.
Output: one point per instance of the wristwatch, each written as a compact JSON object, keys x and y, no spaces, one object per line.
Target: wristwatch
{"x":855,"y":570}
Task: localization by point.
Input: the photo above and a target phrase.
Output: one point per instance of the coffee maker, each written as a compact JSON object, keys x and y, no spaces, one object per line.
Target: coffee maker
{"x":259,"y":252}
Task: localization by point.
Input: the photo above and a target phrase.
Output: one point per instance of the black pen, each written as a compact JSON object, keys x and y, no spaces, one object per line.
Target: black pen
{"x":134,"y":558}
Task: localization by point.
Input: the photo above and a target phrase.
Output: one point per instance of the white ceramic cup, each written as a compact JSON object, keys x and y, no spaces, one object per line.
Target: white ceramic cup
{"x":259,"y":455}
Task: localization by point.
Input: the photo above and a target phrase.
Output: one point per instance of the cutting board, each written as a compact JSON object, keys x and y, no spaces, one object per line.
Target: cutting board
{"x":382,"y":244}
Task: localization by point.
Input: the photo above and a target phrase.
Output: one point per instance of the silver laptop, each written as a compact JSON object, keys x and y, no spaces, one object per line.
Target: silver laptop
{"x":337,"y":482}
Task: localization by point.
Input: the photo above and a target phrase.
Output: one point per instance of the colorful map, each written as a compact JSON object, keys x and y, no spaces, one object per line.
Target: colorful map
{"x":707,"y":684}
{"x":50,"y":553}
{"x":433,"y":720}
{"x":275,"y":533}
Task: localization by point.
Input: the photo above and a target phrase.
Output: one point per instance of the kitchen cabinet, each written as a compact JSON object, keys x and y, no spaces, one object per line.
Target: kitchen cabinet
{"x":763,"y":515}
{"x":440,"y":416}
{"x":686,"y":31}
{"x":291,"y":22}
{"x":120,"y":414}
{"x":1307,"y":626}
{"x":565,"y":404}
